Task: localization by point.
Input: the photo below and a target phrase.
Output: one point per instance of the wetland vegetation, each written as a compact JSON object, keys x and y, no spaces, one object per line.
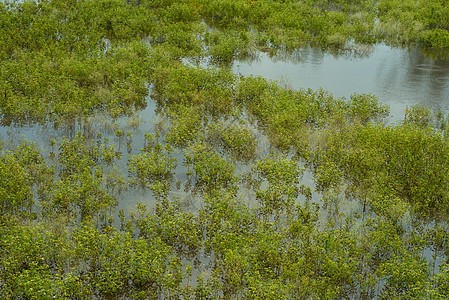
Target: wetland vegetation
{"x":248,"y":189}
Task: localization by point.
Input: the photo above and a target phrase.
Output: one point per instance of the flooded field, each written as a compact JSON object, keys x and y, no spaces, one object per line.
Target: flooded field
{"x":399,"y":78}
{"x":223,"y":150}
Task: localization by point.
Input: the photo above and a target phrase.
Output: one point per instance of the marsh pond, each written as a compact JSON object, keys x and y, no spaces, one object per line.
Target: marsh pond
{"x":228,"y":149}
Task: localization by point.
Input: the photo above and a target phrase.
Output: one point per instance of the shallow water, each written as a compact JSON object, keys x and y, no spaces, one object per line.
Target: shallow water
{"x":398,"y":77}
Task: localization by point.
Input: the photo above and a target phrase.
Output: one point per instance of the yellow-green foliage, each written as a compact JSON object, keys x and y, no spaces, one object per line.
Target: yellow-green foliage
{"x":282,"y":176}
{"x":153,"y":166}
{"x":403,"y":161}
{"x":237,"y":140}
{"x":186,"y":125}
{"x":210,"y":169}
{"x":81,"y":189}
{"x":15,"y":192}
{"x":34,"y":259}
{"x":415,"y":21}
{"x":20,"y":171}
{"x":72,"y":57}
{"x":209,"y":90}
{"x":224,"y":235}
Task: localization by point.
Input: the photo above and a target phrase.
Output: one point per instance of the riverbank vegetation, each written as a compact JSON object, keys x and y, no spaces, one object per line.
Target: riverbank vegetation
{"x":248,"y":189}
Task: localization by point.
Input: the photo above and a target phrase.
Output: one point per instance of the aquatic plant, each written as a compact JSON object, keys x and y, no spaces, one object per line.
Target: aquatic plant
{"x":237,"y":140}
{"x":209,"y":169}
{"x":261,"y":234}
{"x":153,"y":166}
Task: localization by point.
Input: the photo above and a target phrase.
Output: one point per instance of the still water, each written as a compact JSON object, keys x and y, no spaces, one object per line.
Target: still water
{"x":398,"y":77}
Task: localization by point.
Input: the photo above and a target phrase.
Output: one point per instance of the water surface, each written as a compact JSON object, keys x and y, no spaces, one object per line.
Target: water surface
{"x":398,"y":77}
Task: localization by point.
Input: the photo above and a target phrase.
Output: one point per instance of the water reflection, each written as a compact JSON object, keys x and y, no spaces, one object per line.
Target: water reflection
{"x":399,"y":77}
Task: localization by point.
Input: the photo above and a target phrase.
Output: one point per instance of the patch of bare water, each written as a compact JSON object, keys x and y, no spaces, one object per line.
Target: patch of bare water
{"x":398,"y":77}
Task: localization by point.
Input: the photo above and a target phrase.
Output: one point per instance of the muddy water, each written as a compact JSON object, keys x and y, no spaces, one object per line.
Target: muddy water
{"x":398,"y":77}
